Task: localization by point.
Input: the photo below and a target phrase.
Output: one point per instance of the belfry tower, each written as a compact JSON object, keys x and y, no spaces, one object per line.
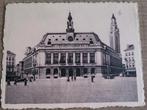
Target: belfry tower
{"x":114,"y":35}
{"x":70,"y":29}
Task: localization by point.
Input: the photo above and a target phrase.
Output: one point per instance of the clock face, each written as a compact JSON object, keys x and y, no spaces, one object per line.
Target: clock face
{"x":70,"y":38}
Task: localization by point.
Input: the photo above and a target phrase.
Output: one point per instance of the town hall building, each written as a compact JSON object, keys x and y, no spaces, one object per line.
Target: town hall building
{"x":74,"y":54}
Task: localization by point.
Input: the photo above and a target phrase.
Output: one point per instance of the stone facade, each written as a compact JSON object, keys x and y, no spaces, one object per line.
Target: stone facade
{"x":130,"y":60}
{"x":72,"y":54}
{"x":10,"y":65}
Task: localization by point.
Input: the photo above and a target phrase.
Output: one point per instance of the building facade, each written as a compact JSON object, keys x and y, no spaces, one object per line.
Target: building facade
{"x":19,"y":69}
{"x":10,"y":65}
{"x":130,"y":60}
{"x":74,"y":54}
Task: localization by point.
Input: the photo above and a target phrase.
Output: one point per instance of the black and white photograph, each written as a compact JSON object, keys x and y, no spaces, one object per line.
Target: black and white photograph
{"x":63,"y":55}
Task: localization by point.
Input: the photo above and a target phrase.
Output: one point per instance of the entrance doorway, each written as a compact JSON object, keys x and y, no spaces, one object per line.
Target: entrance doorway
{"x":70,"y":72}
{"x":63,"y":72}
{"x":48,"y":73}
{"x":78,"y":72}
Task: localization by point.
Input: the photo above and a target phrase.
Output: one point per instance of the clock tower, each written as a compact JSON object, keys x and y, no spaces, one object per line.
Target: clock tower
{"x":70,"y":28}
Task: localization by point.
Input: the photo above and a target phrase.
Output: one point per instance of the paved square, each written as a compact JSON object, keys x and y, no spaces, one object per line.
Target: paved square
{"x":119,"y":89}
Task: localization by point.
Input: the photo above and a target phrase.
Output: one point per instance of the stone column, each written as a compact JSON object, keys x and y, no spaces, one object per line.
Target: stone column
{"x":51,"y":58}
{"x":74,"y":58}
{"x":66,"y":58}
{"x":59,"y":57}
{"x":88,"y":57}
{"x":81,"y":58}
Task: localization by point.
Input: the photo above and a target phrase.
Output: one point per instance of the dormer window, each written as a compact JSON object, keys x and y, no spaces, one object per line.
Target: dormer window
{"x":84,"y":39}
{"x":49,"y":42}
{"x":63,"y":39}
{"x":56,"y":39}
{"x":91,"y":42}
{"x":70,"y":38}
{"x":77,"y":39}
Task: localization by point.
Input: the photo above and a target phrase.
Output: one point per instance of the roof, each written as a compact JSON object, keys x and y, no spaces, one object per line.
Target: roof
{"x":9,"y":52}
{"x":61,"y":38}
{"x":129,"y":47}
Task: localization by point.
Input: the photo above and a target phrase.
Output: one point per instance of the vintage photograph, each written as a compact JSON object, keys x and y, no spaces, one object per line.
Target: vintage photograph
{"x":60,"y":55}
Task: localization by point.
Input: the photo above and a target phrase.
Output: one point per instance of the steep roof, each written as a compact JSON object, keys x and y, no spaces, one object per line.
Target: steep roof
{"x":129,"y":47}
{"x":61,"y":38}
{"x":9,"y":52}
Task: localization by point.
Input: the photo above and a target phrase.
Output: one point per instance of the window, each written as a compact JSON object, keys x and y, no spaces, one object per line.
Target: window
{"x":77,"y":57}
{"x":55,"y":58}
{"x":85,"y":71}
{"x":85,"y":58}
{"x":91,"y":42}
{"x":92,"y":57}
{"x":92,"y":70}
{"x":70,"y":57}
{"x":63,"y":39}
{"x":56,"y":39}
{"x":77,"y":39}
{"x":63,"y":58}
{"x":83,"y":38}
{"x":70,"y":38}
{"x":132,"y":53}
{"x":49,"y":42}
{"x":48,"y":58}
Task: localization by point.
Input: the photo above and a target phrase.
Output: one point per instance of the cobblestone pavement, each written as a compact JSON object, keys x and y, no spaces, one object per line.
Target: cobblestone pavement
{"x":82,"y":90}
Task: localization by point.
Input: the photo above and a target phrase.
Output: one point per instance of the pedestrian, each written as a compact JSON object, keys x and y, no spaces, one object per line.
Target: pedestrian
{"x":72,"y":77}
{"x":25,"y":82}
{"x":8,"y":82}
{"x":75,"y":77}
{"x":15,"y":82}
{"x":92,"y":78}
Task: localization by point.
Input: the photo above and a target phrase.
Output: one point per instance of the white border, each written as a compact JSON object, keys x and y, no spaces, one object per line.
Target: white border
{"x":140,"y":86}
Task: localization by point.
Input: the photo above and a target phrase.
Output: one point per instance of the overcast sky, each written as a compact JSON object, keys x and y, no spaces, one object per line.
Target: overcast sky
{"x":25,"y":24}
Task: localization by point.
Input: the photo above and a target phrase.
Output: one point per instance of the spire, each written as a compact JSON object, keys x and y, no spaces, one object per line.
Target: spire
{"x":114,"y":35}
{"x":69,"y":17}
{"x":113,"y":17}
{"x":70,"y":24}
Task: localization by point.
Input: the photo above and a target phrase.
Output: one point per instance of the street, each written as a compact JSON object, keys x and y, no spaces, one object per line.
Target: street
{"x":119,"y":89}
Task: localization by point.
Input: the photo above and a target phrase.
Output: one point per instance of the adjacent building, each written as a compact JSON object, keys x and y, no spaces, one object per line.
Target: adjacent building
{"x":10,"y":65}
{"x":19,"y":69}
{"x":130,"y":60}
{"x":73,"y":53}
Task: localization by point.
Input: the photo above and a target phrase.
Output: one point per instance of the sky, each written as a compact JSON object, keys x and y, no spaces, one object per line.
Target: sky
{"x":25,"y":24}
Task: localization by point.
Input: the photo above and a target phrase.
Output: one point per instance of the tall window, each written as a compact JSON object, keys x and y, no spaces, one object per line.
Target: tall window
{"x":92,"y":57}
{"x":63,"y":58}
{"x":70,"y":57}
{"x":48,"y":58}
{"x":92,"y":70}
{"x":77,"y":57}
{"x":55,"y":58}
{"x":85,"y":58}
{"x":85,"y":71}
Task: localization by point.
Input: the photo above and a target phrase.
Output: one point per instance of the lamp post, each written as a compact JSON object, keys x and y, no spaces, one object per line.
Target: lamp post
{"x":34,"y":71}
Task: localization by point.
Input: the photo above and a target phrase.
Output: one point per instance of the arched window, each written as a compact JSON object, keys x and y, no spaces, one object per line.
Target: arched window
{"x":55,"y":71}
{"x":48,"y":71}
{"x":92,"y":70}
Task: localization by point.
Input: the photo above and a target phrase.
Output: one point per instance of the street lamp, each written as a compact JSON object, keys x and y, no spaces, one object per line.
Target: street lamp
{"x":34,"y":71}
